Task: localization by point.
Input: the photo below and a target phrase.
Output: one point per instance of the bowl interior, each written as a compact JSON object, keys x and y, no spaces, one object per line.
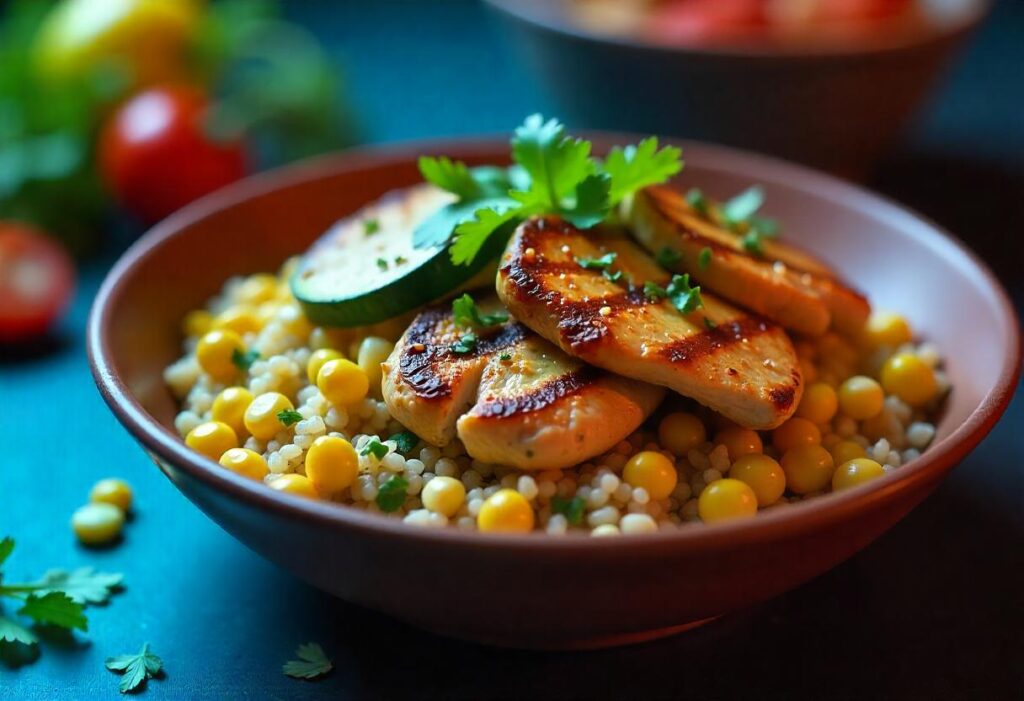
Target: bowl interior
{"x":902,"y":262}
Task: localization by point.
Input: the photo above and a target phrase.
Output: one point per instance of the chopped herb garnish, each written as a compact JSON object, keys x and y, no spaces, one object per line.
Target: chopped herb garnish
{"x":572,"y":509}
{"x":742,"y":207}
{"x":466,"y":344}
{"x":289,"y":417}
{"x":382,"y":264}
{"x":468,"y":315}
{"x":135,"y":668}
{"x":612,"y":276}
{"x":769,"y":228}
{"x":375,"y":448}
{"x":696,"y":199}
{"x":505,"y":357}
{"x":391,"y":495}
{"x":710,"y":324}
{"x":683,"y":297}
{"x":371,"y":226}
{"x":57,"y":600}
{"x":400,"y":259}
{"x":312,"y":663}
{"x":602,"y":263}
{"x":405,"y":441}
{"x":667,"y":257}
{"x":243,"y":360}
{"x":704,"y":259}
{"x":554,"y":174}
{"x":653,"y":291}
{"x":752,"y":243}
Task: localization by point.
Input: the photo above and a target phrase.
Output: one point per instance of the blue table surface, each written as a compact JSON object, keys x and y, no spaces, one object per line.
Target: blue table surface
{"x":934,"y":609}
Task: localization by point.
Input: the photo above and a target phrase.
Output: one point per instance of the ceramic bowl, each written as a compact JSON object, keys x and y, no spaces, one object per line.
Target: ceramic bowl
{"x":833,"y":107}
{"x":535,"y":590}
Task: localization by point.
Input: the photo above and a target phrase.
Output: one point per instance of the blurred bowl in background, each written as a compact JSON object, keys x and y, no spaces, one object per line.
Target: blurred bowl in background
{"x":835,"y":104}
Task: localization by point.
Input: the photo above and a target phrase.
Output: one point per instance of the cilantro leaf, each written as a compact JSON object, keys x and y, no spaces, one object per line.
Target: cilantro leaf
{"x":471,"y":235}
{"x":137,"y":668}
{"x":11,"y":632}
{"x":243,"y":360}
{"x":382,"y":263}
{"x":55,"y":608}
{"x":752,"y":243}
{"x":371,"y":226}
{"x":555,"y":162}
{"x":696,"y":199}
{"x":612,"y":276}
{"x":391,"y":495}
{"x":405,"y":441}
{"x":289,"y":417}
{"x":449,"y":175}
{"x":572,"y":509}
{"x":505,"y":357}
{"x":591,"y":204}
{"x":312,"y":663}
{"x":764,"y":226}
{"x":6,"y":548}
{"x":668,"y":256}
{"x":704,"y":259}
{"x":437,"y":229}
{"x":653,"y":291}
{"x":684,"y":298}
{"x":375,"y":448}
{"x":83,"y":585}
{"x":601,"y":263}
{"x":466,"y":344}
{"x":466,"y":314}
{"x":635,"y":167}
{"x":743,"y":206}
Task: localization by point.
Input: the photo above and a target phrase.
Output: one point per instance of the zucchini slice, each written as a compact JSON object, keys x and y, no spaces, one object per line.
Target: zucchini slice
{"x":365,"y":269}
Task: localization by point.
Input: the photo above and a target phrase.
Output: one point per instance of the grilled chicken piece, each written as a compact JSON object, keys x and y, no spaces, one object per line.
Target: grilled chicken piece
{"x":513,"y":399}
{"x":737,"y":364}
{"x":788,"y":286}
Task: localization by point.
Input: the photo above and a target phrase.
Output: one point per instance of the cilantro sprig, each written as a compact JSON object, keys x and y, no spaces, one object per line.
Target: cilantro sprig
{"x":289,"y":417}
{"x":135,"y":668}
{"x":554,"y":173}
{"x":374,"y":448}
{"x":467,"y":314}
{"x":739,"y":215}
{"x":602,"y":263}
{"x":679,"y":292}
{"x":57,"y":599}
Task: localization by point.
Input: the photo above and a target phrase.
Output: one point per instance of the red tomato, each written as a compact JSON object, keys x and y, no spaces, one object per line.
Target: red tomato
{"x":37,"y":279}
{"x":702,"y":21}
{"x":156,"y":156}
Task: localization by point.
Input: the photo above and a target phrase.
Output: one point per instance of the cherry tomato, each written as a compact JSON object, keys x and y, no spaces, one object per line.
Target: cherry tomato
{"x":157,"y":157}
{"x":706,"y":21}
{"x":37,"y":279}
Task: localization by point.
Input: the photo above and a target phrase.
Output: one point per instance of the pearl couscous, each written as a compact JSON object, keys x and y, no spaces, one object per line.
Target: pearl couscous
{"x":273,"y":398}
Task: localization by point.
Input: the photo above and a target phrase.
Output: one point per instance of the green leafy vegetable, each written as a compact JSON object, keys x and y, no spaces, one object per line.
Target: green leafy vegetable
{"x":135,"y":668}
{"x":602,"y":263}
{"x":466,"y":344}
{"x":572,"y":509}
{"x":696,"y":199}
{"x":289,"y":417}
{"x":667,"y":257}
{"x":392,"y":494}
{"x":243,"y":360}
{"x":57,"y":599}
{"x":468,"y":315}
{"x":554,"y":174}
{"x":635,"y":167}
{"x":683,"y":297}
{"x":704,"y":259}
{"x":371,"y":226}
{"x":375,"y":448}
{"x":405,"y":441}
{"x":312,"y":663}
{"x":752,"y":243}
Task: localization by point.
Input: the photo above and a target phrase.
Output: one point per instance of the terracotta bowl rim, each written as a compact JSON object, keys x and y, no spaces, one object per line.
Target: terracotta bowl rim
{"x":972,"y":14}
{"x":776,"y":524}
